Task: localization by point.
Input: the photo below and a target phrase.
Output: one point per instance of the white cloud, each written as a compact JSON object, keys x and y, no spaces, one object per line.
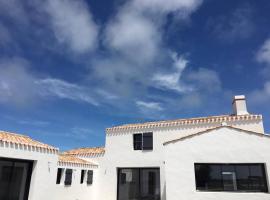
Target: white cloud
{"x":184,"y":6}
{"x":16,"y":82}
{"x":204,"y":79}
{"x":134,"y":36}
{"x":152,"y":106}
{"x":263,"y":54}
{"x":64,"y":90}
{"x":171,"y":81}
{"x":137,"y":32}
{"x":261,"y":96}
{"x":20,"y":87}
{"x":73,"y":24}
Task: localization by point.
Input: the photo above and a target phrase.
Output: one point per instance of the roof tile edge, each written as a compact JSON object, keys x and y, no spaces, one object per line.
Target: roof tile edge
{"x":190,"y":121}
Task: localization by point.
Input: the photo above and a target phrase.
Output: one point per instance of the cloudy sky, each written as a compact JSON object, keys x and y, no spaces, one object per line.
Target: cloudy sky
{"x":71,"y":68}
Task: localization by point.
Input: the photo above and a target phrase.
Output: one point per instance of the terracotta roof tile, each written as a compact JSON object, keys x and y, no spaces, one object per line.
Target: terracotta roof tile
{"x":190,"y":121}
{"x":73,"y":160}
{"x":23,"y":140}
{"x":215,"y":128}
{"x":86,"y":151}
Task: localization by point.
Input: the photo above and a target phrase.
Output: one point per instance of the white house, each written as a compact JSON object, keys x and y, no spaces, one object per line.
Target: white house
{"x":36,"y":171}
{"x":27,"y":168}
{"x":216,"y":157}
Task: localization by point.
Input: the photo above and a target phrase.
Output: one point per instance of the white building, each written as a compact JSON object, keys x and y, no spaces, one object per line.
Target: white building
{"x":218,"y":157}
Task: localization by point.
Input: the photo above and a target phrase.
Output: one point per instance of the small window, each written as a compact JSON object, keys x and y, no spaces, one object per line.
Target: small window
{"x":68,"y":178}
{"x":137,"y":141}
{"x":143,"y":141}
{"x":82,"y":176}
{"x":89,"y":177}
{"x":59,"y":175}
{"x":231,"y":177}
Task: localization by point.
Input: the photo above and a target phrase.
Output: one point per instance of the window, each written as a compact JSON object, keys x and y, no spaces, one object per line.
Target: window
{"x":68,"y":178}
{"x":82,"y":176}
{"x":231,"y":177}
{"x":138,"y":183}
{"x":89,"y":177}
{"x":59,"y":175}
{"x":15,"y":178}
{"x":143,"y":141}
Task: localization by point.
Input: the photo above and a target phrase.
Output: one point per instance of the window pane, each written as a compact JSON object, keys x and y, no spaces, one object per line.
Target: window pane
{"x":208,"y":177}
{"x":128,"y":189}
{"x":137,"y":141}
{"x":257,"y":178}
{"x":242,"y":177}
{"x":150,"y":184}
{"x":147,"y":141}
{"x":231,"y":177}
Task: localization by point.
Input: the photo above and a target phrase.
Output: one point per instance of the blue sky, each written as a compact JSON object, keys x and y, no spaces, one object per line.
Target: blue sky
{"x":71,"y":68}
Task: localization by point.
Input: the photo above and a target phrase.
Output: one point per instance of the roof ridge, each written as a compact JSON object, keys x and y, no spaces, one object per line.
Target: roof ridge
{"x":214,"y":128}
{"x":15,"y":134}
{"x":75,"y":159}
{"x":7,"y":136}
{"x":182,"y":120}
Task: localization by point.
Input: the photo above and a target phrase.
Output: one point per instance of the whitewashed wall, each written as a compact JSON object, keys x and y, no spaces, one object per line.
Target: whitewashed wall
{"x":218,"y":146}
{"x":76,"y":191}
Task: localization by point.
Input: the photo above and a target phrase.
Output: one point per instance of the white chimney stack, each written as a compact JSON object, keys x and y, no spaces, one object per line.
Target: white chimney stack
{"x":239,"y":105}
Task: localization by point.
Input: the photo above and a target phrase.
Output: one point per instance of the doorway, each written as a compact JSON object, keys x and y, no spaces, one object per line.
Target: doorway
{"x":138,"y":184}
{"x":15,"y":177}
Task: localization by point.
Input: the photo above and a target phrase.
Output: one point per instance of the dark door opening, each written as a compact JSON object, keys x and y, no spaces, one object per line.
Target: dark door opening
{"x":15,"y":177}
{"x":138,"y":184}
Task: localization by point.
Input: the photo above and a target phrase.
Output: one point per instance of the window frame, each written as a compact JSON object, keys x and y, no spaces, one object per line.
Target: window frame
{"x":264,"y":189}
{"x":139,"y":141}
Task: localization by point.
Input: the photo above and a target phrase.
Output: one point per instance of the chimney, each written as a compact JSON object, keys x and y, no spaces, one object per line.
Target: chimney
{"x":239,"y":105}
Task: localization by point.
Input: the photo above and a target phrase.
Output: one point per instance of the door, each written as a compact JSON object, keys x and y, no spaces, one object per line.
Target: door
{"x":138,"y":184}
{"x":15,"y":176}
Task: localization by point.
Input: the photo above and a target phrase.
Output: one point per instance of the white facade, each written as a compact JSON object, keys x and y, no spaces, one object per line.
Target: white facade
{"x":175,"y":159}
{"x":76,"y":191}
{"x":223,"y":145}
{"x":120,"y":152}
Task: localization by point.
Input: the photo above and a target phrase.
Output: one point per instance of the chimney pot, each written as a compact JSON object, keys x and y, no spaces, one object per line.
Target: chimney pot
{"x":239,"y":105}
